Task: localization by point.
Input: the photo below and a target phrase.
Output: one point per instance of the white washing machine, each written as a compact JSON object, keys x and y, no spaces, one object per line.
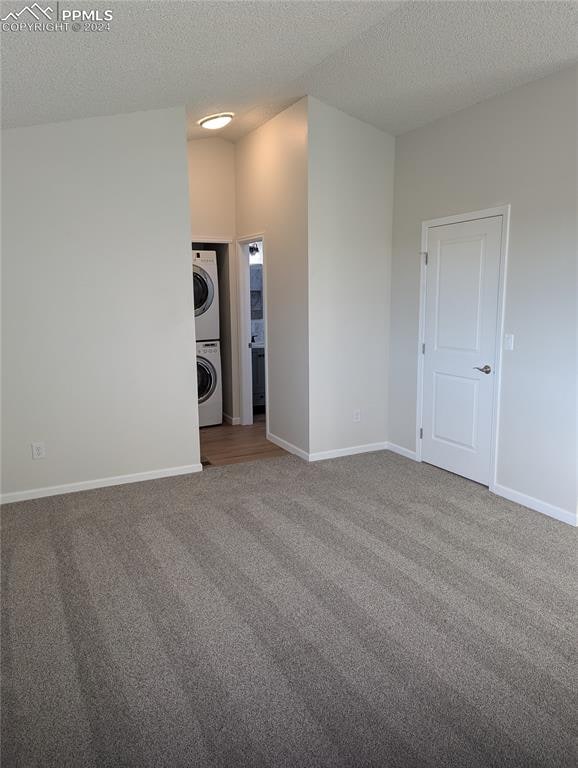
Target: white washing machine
{"x":206,"y":295}
{"x":209,"y":387}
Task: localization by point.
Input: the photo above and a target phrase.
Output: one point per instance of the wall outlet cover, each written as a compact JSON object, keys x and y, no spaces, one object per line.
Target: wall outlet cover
{"x":38,"y":450}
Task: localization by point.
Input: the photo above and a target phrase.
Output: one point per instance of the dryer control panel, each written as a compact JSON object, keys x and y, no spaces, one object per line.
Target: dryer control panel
{"x":209,"y":348}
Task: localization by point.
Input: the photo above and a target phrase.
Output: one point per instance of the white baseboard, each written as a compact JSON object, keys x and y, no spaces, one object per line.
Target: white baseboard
{"x":337,"y":452}
{"x":234,"y":421}
{"x":508,"y":493}
{"x":103,"y":482}
{"x":350,"y":451}
{"x":536,"y":504}
{"x":289,"y":447}
{"x":402,"y":451}
{"x":323,"y":455}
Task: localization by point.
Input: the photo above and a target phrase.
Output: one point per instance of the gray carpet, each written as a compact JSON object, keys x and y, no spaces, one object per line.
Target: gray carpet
{"x":366,"y":611}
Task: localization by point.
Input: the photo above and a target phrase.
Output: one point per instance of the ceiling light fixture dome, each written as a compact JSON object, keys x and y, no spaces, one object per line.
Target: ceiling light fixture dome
{"x":214,"y":122}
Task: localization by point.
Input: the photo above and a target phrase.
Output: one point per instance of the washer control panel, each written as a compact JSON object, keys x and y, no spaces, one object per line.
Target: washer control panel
{"x":204,"y":257}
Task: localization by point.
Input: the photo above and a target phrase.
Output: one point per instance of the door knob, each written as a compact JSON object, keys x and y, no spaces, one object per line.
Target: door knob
{"x":485,"y":369}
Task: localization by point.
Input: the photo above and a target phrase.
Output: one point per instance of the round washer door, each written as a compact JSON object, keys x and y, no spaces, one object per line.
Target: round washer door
{"x":203,"y":290}
{"x":206,"y":379}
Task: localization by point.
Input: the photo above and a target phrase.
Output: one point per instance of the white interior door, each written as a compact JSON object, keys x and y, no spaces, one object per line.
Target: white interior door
{"x":461,"y":313}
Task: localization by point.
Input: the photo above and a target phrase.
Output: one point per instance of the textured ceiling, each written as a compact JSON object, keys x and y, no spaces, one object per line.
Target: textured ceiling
{"x":397,"y":65}
{"x":430,"y":59}
{"x":209,"y":55}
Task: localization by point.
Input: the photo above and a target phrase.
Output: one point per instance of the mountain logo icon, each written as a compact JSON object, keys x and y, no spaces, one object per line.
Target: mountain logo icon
{"x":35,"y":10}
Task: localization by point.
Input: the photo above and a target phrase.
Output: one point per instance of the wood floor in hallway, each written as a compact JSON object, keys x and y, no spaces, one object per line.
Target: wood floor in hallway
{"x":225,"y":444}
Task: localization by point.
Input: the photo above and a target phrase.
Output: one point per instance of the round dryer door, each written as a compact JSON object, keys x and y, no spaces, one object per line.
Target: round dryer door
{"x":203,"y":290}
{"x":206,"y":379}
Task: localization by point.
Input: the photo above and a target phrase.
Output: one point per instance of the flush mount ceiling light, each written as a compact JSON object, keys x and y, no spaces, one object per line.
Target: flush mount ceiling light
{"x":214,"y":122}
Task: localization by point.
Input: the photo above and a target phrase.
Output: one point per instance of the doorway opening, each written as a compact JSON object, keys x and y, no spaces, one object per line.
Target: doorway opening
{"x":258,"y":407}
{"x":252,"y":298}
{"x":238,"y":431}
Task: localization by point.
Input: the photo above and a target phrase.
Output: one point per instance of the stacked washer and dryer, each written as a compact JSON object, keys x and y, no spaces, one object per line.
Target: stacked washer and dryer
{"x":206,"y":298}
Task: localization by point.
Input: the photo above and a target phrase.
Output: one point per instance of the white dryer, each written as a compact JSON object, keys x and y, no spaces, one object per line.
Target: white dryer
{"x":206,"y":295}
{"x":209,"y":387}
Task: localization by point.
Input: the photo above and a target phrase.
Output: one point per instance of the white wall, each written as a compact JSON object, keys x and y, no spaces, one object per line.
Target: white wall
{"x":351,"y":167}
{"x":271,"y":165}
{"x":518,"y":148}
{"x":98,"y":334}
{"x":211,"y":165}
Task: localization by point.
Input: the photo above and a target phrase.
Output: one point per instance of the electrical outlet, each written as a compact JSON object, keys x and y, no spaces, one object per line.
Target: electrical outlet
{"x":357,"y":415}
{"x":38,"y":450}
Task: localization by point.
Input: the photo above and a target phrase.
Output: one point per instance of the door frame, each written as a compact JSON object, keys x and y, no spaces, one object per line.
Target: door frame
{"x":504,"y":212}
{"x":245,"y":351}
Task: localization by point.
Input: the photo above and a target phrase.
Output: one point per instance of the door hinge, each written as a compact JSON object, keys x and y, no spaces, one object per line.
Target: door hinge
{"x":421,"y":433}
{"x":424,"y":254}
{"x":423,"y":349}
